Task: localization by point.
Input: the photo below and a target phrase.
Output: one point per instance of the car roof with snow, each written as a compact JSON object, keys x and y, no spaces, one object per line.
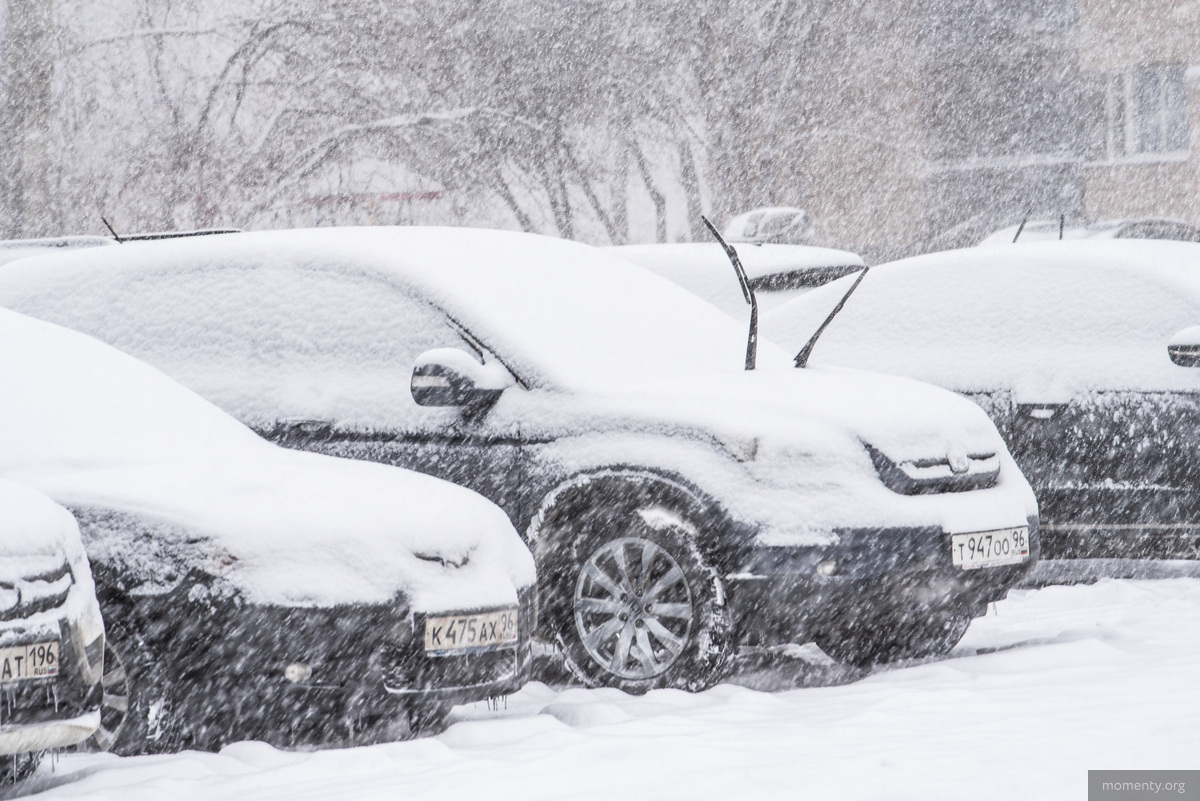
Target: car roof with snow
{"x":1044,"y":319}
{"x":1138,"y":228}
{"x":99,"y":431}
{"x":704,"y":269}
{"x":556,"y":312}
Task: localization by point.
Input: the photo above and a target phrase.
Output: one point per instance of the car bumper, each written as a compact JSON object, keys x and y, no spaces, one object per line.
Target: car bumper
{"x":20,"y":739}
{"x":296,"y":677}
{"x":782,"y":595}
{"x":53,"y":712}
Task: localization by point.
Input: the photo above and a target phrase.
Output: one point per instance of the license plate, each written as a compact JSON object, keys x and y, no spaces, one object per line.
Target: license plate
{"x":458,"y":632}
{"x":21,"y":662}
{"x":1006,"y":546}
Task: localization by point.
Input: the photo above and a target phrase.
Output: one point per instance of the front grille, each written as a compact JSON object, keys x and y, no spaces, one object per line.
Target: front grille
{"x":936,"y":475}
{"x":29,"y":585}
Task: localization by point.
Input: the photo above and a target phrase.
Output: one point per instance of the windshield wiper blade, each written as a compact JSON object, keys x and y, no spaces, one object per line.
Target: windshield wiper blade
{"x":806,"y":351}
{"x":747,"y":292}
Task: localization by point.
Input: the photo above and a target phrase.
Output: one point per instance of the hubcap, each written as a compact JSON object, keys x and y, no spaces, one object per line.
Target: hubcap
{"x":633,"y":608}
{"x":114,"y":706}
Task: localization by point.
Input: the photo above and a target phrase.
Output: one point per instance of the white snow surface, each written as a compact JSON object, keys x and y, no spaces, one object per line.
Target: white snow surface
{"x":95,"y":429}
{"x":1051,"y":683}
{"x":703,"y":269}
{"x":1045,"y":320}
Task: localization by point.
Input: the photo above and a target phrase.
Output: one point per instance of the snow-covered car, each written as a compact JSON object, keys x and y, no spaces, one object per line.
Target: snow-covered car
{"x":1140,"y":228}
{"x":51,"y":632}
{"x":777,"y":273}
{"x":1079,"y":351}
{"x":677,"y":504}
{"x":250,"y":590}
{"x":13,"y":249}
{"x":782,"y":225}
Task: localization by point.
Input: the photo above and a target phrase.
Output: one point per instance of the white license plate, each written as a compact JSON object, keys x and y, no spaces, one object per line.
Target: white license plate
{"x":21,"y":662}
{"x":1006,"y":546}
{"x":457,"y":632}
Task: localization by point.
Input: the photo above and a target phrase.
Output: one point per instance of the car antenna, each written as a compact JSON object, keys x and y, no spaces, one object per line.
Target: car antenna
{"x":747,"y":292}
{"x":1062,"y":221}
{"x":806,"y":351}
{"x":1021,"y":227}
{"x":116,"y":236}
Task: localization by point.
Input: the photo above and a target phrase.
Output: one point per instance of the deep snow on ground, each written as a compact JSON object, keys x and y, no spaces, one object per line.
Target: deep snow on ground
{"x":1050,"y":683}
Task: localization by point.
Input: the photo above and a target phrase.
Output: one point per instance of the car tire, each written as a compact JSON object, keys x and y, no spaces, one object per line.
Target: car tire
{"x":633,"y":602}
{"x":877,"y":643}
{"x":135,"y":710}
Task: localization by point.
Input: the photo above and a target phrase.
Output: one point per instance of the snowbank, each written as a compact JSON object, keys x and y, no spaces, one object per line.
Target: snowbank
{"x":1048,"y":685}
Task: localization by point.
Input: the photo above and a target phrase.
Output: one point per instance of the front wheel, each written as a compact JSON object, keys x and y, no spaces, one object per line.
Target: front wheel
{"x":637,"y":605}
{"x":134,"y":710}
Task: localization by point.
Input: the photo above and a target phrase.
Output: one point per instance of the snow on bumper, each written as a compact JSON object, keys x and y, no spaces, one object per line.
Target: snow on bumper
{"x":18,"y":739}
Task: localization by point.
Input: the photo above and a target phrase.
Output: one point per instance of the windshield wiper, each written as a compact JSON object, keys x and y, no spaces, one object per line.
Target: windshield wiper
{"x":747,"y":292}
{"x":806,"y":351}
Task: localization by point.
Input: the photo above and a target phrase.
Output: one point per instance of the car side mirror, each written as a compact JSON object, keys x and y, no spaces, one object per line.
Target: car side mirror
{"x":1184,"y":347}
{"x":453,"y":377}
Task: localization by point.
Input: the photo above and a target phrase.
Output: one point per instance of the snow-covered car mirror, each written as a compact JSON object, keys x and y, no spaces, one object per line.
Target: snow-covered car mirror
{"x":1184,"y":347}
{"x":452,"y":377}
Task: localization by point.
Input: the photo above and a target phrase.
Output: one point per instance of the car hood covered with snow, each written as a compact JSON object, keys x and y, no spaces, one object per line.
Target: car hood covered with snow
{"x":114,"y":439}
{"x":787,"y":452}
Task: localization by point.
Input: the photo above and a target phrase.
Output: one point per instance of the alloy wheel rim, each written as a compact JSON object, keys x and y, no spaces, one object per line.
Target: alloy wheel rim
{"x":114,"y":704}
{"x":633,"y":608}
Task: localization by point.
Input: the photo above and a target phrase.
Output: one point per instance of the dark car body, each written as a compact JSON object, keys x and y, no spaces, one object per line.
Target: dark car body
{"x":1066,"y":346}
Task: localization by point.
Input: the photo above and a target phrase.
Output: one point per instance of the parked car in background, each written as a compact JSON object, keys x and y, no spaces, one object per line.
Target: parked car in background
{"x":1079,"y":352}
{"x":777,"y":273}
{"x":252,"y":591}
{"x":1144,"y":228}
{"x":677,"y":504}
{"x":780,"y":225}
{"x":13,"y":249}
{"x":51,"y":632}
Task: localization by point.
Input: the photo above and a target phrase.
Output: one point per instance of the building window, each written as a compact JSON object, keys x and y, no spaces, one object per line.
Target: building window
{"x":1147,"y":112}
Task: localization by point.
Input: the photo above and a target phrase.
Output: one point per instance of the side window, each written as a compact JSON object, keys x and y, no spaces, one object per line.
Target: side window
{"x":269,"y":341}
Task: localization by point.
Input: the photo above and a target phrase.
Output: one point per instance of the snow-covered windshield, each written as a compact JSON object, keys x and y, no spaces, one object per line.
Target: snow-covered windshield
{"x":568,"y":314}
{"x":558,"y":313}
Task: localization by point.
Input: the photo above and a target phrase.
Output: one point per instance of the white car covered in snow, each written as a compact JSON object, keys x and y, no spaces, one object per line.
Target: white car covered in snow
{"x":250,"y":590}
{"x":678,"y":505}
{"x":777,"y":273}
{"x":51,"y":632}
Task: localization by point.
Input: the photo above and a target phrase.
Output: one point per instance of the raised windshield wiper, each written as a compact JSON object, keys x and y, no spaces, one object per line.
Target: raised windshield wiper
{"x":747,"y":292}
{"x":806,"y":351}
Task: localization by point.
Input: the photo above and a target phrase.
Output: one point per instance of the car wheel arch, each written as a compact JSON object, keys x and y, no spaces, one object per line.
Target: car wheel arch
{"x":635,"y":486}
